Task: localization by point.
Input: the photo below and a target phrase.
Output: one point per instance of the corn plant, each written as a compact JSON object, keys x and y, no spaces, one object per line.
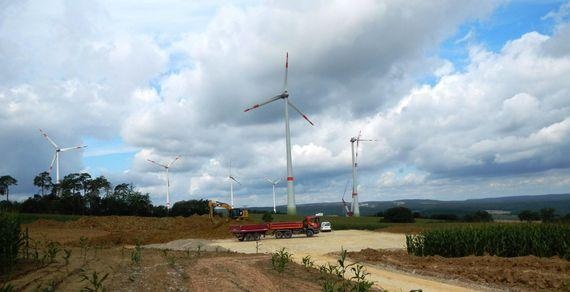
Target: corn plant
{"x":359,"y":278}
{"x":308,"y":262}
{"x":10,"y":241}
{"x":511,"y":240}
{"x":334,"y":280}
{"x":66,"y":255}
{"x":51,"y":251}
{"x":136,"y":255}
{"x":7,"y":287}
{"x":94,"y":280}
{"x":279,"y":259}
{"x":84,"y":247}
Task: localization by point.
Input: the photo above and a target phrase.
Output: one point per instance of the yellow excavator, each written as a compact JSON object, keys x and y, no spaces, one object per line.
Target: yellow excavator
{"x":233,"y":213}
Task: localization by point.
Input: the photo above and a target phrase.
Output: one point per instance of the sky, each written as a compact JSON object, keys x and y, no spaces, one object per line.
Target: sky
{"x":466,"y":99}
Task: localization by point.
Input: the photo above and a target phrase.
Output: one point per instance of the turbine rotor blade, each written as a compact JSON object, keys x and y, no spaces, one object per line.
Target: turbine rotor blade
{"x":302,"y":114}
{"x":159,"y":164}
{"x":271,"y":182}
{"x":49,"y":139}
{"x":71,"y":148}
{"x":52,"y":162}
{"x":277,"y":181}
{"x":265,"y":102}
{"x":232,"y":178}
{"x":286,"y":71}
{"x":175,"y":159}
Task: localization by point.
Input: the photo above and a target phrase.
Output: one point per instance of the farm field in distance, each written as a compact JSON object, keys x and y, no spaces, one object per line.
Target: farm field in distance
{"x":197,"y":245}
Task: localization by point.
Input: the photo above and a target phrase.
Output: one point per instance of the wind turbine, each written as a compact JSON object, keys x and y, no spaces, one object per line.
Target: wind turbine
{"x":347,"y":211}
{"x":167,"y":167}
{"x":56,"y":156}
{"x":291,"y":207}
{"x":274,"y":183}
{"x":232,"y":179}
{"x":355,"y":208}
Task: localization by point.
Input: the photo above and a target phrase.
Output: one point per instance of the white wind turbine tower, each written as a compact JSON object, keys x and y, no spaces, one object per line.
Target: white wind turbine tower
{"x":56,"y":156}
{"x":355,"y":208}
{"x":291,"y":207}
{"x":167,"y":167}
{"x":231,"y":178}
{"x":274,"y":183}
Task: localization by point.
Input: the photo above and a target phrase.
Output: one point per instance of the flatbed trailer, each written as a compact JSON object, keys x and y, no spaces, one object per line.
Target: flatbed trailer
{"x":248,"y":232}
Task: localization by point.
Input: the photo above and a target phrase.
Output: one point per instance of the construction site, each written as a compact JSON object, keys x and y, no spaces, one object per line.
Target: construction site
{"x":189,"y":254}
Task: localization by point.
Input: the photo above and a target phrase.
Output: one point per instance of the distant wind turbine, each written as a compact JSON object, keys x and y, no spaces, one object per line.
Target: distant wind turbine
{"x":231,"y":178}
{"x":56,"y":156}
{"x":274,"y":183}
{"x":355,"y":208}
{"x":166,"y":167}
{"x":291,"y":207}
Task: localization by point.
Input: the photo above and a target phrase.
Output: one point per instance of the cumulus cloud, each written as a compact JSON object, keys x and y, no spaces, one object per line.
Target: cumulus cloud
{"x":100,"y":70}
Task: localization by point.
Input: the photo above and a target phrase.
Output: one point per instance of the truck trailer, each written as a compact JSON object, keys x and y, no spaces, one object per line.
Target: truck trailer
{"x":248,"y":232}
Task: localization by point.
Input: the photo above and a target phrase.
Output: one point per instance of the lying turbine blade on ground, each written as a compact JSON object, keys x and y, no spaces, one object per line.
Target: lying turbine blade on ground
{"x":302,"y":114}
{"x":49,"y":139}
{"x":71,"y":148}
{"x":265,"y":102}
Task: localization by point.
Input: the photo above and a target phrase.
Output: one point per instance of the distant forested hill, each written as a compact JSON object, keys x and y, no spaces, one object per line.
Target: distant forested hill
{"x":513,"y":204}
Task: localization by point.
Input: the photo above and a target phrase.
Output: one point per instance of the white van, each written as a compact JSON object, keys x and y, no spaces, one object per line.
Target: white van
{"x":326,"y":226}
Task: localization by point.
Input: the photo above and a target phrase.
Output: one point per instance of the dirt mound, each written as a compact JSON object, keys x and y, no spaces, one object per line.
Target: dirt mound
{"x":111,"y":230}
{"x":519,"y":273}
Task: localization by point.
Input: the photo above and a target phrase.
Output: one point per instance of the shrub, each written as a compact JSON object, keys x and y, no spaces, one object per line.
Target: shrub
{"x":399,"y":215}
{"x":479,"y":216}
{"x":267,"y":217}
{"x":528,"y":215}
{"x":547,"y":214}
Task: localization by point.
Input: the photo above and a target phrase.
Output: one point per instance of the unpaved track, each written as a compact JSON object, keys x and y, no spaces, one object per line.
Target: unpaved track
{"x":320,"y":248}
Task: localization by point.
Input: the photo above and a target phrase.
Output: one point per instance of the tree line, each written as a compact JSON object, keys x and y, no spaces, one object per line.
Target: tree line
{"x":82,"y":194}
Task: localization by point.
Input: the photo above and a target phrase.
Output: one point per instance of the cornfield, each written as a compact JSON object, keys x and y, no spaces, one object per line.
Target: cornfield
{"x":10,"y":241}
{"x":504,"y":240}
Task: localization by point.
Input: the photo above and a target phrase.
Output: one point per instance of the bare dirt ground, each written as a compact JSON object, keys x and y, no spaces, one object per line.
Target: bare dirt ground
{"x":527,"y":273}
{"x":113,"y":230}
{"x":166,"y":271}
{"x":324,"y":248}
{"x":209,"y":258}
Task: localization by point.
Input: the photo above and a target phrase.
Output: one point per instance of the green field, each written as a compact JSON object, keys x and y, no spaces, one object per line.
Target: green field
{"x":504,"y":240}
{"x":361,"y":223}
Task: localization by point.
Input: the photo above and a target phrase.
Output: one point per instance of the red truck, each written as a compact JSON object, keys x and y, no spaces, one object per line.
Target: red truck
{"x":309,"y":226}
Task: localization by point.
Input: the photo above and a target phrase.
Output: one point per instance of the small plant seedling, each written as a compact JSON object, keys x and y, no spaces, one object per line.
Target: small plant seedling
{"x":188,"y":252}
{"x":84,"y":247}
{"x":95,"y":281}
{"x":308,"y":262}
{"x":199,"y":248}
{"x":279,"y":259}
{"x":66,"y":255}
{"x":52,"y":251}
{"x":136,"y":255}
{"x":7,"y":287}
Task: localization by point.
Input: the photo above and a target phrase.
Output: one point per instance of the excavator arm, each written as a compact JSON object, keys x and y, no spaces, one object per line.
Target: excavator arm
{"x":233,"y":213}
